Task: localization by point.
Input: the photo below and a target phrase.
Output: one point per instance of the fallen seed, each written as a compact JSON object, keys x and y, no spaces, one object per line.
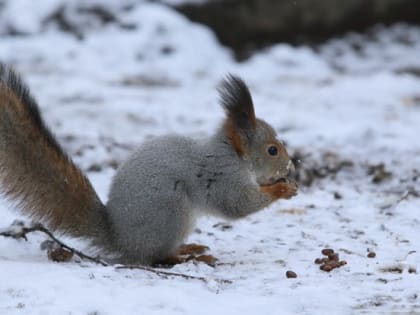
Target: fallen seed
{"x":291,"y":274}
{"x":371,"y":255}
{"x":334,"y":257}
{"x":319,"y":261}
{"x":327,"y":251}
{"x":60,"y":254}
{"x":326,"y":268}
{"x":334,"y":264}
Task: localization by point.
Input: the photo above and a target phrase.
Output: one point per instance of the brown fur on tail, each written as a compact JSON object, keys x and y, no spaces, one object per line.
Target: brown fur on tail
{"x":36,"y":173}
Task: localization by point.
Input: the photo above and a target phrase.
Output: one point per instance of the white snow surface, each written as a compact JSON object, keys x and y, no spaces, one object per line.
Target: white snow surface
{"x":105,"y":93}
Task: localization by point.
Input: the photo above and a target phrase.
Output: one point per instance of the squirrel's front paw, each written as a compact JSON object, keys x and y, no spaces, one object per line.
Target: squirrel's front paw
{"x":283,"y":190}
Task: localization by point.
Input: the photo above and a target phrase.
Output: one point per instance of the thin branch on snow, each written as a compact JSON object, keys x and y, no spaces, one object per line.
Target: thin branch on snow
{"x":403,"y":196}
{"x":18,"y":230}
{"x":168,"y":273}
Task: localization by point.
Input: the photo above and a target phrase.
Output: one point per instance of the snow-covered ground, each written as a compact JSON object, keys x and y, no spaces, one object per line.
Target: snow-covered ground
{"x":107,"y":87}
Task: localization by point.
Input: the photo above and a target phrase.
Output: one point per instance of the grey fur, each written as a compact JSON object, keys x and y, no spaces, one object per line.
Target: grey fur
{"x":159,"y":191}
{"x":153,"y":201}
{"x":157,"y":194}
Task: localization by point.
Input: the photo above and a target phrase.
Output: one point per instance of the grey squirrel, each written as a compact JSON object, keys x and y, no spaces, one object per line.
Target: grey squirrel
{"x":158,"y":192}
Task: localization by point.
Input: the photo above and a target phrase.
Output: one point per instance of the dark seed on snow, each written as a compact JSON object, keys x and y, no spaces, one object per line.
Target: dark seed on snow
{"x":371,"y":255}
{"x":326,"y":268}
{"x":327,"y":251}
{"x":291,"y":274}
{"x":334,"y":257}
{"x":319,"y":261}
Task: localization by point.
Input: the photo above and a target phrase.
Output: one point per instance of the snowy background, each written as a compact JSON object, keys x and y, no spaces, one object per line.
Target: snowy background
{"x":343,"y":107}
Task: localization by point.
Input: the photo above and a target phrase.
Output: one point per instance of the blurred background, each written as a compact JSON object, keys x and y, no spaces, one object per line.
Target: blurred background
{"x":249,"y":25}
{"x":242,"y":25}
{"x":329,"y":75}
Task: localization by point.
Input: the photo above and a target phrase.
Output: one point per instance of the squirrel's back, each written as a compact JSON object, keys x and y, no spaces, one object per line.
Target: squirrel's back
{"x":36,"y":173}
{"x":149,"y":202}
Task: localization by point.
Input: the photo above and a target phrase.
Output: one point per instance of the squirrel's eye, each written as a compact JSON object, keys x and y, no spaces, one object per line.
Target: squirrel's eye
{"x":272,"y":150}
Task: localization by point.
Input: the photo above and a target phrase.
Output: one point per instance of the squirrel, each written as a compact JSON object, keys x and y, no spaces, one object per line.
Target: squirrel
{"x":158,"y":192}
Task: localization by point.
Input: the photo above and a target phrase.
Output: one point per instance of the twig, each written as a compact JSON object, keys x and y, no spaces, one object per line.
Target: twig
{"x":19,"y":230}
{"x":168,"y":273}
{"x":404,"y":196}
{"x":75,"y":251}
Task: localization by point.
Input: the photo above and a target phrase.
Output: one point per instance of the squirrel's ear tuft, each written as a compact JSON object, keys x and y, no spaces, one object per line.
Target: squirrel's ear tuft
{"x":237,"y":101}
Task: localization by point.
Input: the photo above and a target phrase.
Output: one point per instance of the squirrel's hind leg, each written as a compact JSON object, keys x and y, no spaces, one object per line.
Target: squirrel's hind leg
{"x":188,"y":252}
{"x":192,"y":249}
{"x":180,"y":259}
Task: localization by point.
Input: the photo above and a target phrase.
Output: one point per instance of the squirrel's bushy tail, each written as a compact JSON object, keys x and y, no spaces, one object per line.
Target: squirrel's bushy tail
{"x":36,"y":173}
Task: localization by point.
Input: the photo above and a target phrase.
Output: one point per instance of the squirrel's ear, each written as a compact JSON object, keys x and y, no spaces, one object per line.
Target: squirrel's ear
{"x":237,"y":102}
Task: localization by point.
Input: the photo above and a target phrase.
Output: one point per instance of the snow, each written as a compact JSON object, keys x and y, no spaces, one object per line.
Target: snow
{"x":103,"y":94}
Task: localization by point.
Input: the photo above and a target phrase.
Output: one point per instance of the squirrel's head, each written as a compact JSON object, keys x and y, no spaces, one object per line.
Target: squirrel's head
{"x":252,"y":138}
